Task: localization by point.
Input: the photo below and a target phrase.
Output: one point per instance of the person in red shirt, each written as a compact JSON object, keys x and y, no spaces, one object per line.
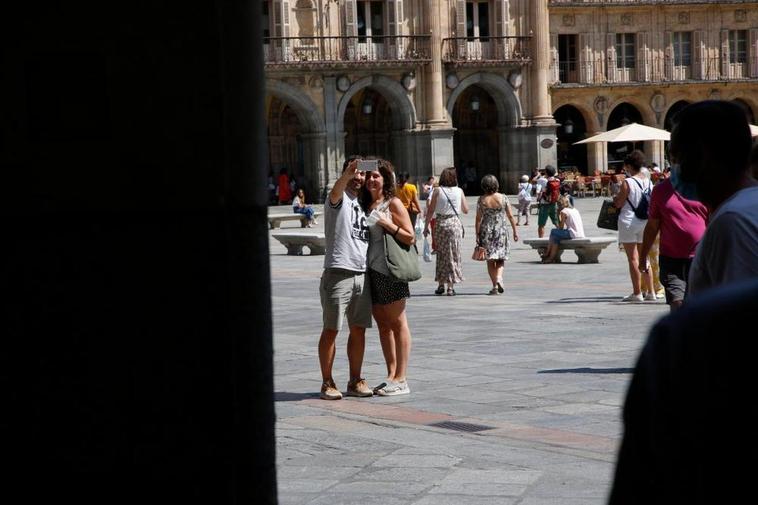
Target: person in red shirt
{"x":285,"y":192}
{"x":681,"y":223}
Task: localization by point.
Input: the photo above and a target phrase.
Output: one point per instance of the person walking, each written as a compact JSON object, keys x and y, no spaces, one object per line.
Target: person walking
{"x":448,"y":201}
{"x":524,"y":200}
{"x":388,"y":215}
{"x":343,"y":289}
{"x":681,"y":224}
{"x":491,"y":232}
{"x":631,"y":226}
{"x":547,"y":199}
{"x":408,"y":194}
{"x":569,"y":226}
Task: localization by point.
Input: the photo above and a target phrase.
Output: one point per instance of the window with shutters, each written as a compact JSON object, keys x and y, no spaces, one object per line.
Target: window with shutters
{"x":567,"y":58}
{"x":682,"y":49}
{"x":370,"y":21}
{"x":737,"y":46}
{"x":625,"y":51}
{"x":266,"y":20}
{"x":477,"y":21}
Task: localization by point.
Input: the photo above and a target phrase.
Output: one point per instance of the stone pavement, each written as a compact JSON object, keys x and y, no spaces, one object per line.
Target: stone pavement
{"x":516,"y":398}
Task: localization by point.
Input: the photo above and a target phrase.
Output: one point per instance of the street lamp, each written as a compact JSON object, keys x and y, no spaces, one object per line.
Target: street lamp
{"x":367,"y":107}
{"x":475,"y":103}
{"x":568,"y":127}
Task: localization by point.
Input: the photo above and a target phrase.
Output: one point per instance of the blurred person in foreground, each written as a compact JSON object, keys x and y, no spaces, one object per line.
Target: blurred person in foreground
{"x":689,"y":414}
{"x":710,"y":152}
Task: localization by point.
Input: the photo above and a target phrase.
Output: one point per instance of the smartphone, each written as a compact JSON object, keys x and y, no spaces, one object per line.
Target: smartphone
{"x":367,"y":165}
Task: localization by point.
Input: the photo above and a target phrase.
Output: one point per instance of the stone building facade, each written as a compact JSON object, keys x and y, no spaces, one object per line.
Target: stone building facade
{"x":614,"y":62}
{"x":426,"y":84}
{"x":491,"y":86}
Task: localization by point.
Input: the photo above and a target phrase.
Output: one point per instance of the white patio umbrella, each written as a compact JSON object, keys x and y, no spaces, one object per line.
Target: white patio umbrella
{"x":633,"y":132}
{"x":753,"y":130}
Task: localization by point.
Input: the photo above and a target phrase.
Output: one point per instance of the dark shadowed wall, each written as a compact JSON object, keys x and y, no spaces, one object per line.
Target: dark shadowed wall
{"x":136,"y":354}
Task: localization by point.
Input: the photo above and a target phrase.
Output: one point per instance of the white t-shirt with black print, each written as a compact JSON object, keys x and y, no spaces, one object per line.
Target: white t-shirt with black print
{"x":346,"y":234}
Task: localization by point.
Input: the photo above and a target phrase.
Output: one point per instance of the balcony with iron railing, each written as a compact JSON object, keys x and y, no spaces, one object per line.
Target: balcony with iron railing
{"x":343,"y":52}
{"x":486,"y":51}
{"x":600,"y":3}
{"x":651,"y":70}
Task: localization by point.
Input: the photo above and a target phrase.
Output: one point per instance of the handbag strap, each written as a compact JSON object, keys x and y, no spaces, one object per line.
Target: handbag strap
{"x":451,"y":204}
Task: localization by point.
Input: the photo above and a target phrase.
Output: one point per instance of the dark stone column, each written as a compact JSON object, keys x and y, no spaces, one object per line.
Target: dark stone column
{"x":136,"y":341}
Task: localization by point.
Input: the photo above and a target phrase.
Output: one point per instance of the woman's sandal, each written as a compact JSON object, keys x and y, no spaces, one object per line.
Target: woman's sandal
{"x":450,"y":292}
{"x":439,"y":290}
{"x":500,"y":287}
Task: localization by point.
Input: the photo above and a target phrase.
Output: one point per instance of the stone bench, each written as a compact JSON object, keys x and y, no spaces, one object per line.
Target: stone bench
{"x":275,"y":220}
{"x":294,"y":242}
{"x":587,"y":249}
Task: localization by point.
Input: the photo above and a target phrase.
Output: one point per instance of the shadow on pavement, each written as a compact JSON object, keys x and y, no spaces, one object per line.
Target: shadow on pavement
{"x":284,"y":396}
{"x":588,"y":299}
{"x":588,"y":370}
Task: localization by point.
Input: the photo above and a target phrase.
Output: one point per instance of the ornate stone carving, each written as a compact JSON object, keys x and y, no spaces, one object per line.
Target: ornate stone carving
{"x":451,"y":80}
{"x":740,"y":15}
{"x":569,"y":20}
{"x":626,"y":19}
{"x":317,"y":82}
{"x":684,"y":18}
{"x":658,"y":103}
{"x":409,"y":81}
{"x":343,"y":83}
{"x":515,"y":79}
{"x":600,"y":105}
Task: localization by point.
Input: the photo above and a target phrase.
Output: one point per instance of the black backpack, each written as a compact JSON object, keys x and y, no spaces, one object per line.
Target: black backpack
{"x":641,"y":210}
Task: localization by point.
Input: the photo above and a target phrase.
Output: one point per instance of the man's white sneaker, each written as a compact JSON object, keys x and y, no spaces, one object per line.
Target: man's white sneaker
{"x":633,"y":298}
{"x":650,"y":297}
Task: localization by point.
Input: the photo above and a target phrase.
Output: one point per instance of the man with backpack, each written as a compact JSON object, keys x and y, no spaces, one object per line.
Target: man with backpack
{"x":547,"y":201}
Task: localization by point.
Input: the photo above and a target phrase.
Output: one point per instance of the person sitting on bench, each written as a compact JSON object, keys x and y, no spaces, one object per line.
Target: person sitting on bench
{"x":299,"y":207}
{"x":569,"y":226}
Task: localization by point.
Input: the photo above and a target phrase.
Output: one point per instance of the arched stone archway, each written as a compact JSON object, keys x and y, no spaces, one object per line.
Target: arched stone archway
{"x":311,"y":139}
{"x":508,"y":116}
{"x":506,"y":101}
{"x":403,"y":118}
{"x":572,"y":129}
{"x":622,"y":113}
{"x":303,"y":106}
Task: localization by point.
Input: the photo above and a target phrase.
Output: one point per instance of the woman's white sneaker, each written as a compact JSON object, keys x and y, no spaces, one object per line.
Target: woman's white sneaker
{"x":393,"y":388}
{"x":633,"y":298}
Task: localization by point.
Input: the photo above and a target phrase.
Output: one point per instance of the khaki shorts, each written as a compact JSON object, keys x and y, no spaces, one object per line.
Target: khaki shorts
{"x":344,"y":292}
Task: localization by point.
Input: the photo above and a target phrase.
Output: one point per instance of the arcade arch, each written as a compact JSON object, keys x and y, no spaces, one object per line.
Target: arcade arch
{"x":296,"y":136}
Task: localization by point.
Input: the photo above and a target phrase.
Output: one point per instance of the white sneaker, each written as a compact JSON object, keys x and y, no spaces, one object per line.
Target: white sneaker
{"x":632,"y":298}
{"x":394,"y":389}
{"x":650,"y":297}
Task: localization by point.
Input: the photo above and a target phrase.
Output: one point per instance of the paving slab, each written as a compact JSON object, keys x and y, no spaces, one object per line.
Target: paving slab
{"x":542,"y":369}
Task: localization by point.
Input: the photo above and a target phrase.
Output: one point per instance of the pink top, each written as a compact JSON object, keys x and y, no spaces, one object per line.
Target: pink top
{"x":682,"y":221}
